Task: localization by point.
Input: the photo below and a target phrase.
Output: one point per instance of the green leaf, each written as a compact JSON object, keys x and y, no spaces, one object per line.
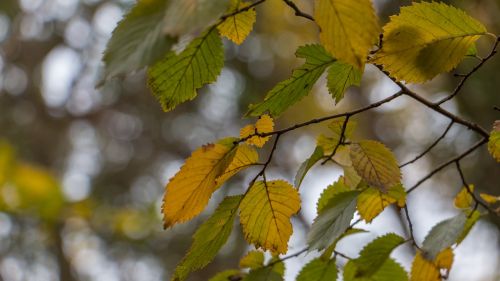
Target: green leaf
{"x":374,"y":255}
{"x":191,"y":16}
{"x":494,"y":141}
{"x":349,"y":29}
{"x":227,"y":275}
{"x":209,"y":238}
{"x":426,"y":39}
{"x":472,"y":218}
{"x":268,"y":273}
{"x":253,"y":260}
{"x":290,"y":91}
{"x":176,"y":78}
{"x":307,"y":165}
{"x":340,"y":77}
{"x":138,"y":40}
{"x":319,"y":270}
{"x":376,"y":164}
{"x":333,"y":221}
{"x":389,"y":271}
{"x":329,"y":192}
{"x":443,"y":235}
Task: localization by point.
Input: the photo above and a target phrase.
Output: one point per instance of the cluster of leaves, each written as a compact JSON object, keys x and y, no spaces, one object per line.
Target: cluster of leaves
{"x":422,"y":41}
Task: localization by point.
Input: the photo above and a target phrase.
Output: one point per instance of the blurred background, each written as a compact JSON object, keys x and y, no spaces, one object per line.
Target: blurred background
{"x":82,"y":170}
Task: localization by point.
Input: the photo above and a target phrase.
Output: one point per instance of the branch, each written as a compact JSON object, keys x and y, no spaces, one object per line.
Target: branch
{"x":298,"y":12}
{"x":224,"y":17}
{"x":430,"y":147}
{"x":471,"y":193}
{"x":466,"y":76}
{"x":341,"y":140}
{"x":410,"y":226}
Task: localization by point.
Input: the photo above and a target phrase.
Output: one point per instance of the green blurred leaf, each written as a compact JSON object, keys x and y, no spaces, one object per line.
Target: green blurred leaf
{"x":329,"y":192}
{"x":443,"y":235}
{"x":318,"y":270}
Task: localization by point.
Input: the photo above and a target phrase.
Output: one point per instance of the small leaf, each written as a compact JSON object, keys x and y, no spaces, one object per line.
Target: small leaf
{"x":494,"y":141}
{"x":176,"y":78}
{"x":307,"y":165}
{"x":463,"y":200}
{"x":244,"y":157}
{"x":375,"y":164}
{"x":426,"y":39}
{"x":443,"y":235}
{"x":349,"y":29}
{"x":340,"y":77}
{"x":329,"y":192}
{"x":236,"y":28}
{"x":265,"y":214}
{"x":372,"y":201}
{"x":290,"y":91}
{"x":209,"y":238}
{"x":227,"y":275}
{"x":389,"y":271}
{"x":138,"y":39}
{"x":490,"y":199}
{"x":333,"y":221}
{"x":423,"y":269}
{"x":264,"y":125}
{"x":252,"y":260}
{"x":188,"y":192}
{"x":318,"y":270}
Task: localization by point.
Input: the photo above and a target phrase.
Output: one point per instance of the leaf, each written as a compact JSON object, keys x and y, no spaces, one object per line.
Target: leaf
{"x":227,"y":275}
{"x":307,"y":165}
{"x":375,"y":164}
{"x":426,"y":39}
{"x":490,"y":199}
{"x":389,"y":271}
{"x":333,"y":221}
{"x":209,"y":238}
{"x":372,"y":201}
{"x":463,"y":200}
{"x":290,"y":91}
{"x":494,"y":141}
{"x":138,"y":39}
{"x":425,"y":270}
{"x":329,"y":192}
{"x":340,"y":77}
{"x":244,"y":157}
{"x":349,"y":29}
{"x":351,"y":177}
{"x":252,"y":260}
{"x":236,"y":28}
{"x":263,"y":274}
{"x":319,"y":270}
{"x":190,"y":16}
{"x":443,"y":235}
{"x":265,"y":214}
{"x":472,"y":218}
{"x":188,"y":192}
{"x":175,"y":78}
{"x":374,"y":255}
{"x":264,"y":125}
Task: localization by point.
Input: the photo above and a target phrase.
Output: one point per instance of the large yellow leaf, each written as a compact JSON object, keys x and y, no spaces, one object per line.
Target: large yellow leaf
{"x":244,"y":157}
{"x":425,"y":270}
{"x":376,"y":164}
{"x":188,"y":192}
{"x":348,"y":29}
{"x":237,"y":27}
{"x":265,"y":214}
{"x":426,"y":39}
{"x":372,"y":201}
{"x":494,"y":141}
{"x":265,"y":124}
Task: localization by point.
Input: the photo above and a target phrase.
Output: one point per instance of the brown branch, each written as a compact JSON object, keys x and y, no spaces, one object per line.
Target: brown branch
{"x":443,"y":135}
{"x":465,"y":77}
{"x":341,"y":140}
{"x":471,"y":193}
{"x":410,"y":226}
{"x":298,"y":12}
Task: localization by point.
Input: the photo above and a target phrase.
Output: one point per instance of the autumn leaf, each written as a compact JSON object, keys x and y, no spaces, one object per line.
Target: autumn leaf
{"x":490,"y":199}
{"x":265,"y":214}
{"x":372,"y":201}
{"x":244,"y":157}
{"x":426,"y":39}
{"x":264,"y":124}
{"x":428,"y":270}
{"x":349,"y":29}
{"x":375,"y":164}
{"x":252,"y":260}
{"x":494,"y":141}
{"x":463,"y":200}
{"x":237,"y":27}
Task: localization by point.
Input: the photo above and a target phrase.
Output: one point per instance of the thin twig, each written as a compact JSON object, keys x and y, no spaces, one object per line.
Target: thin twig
{"x":288,"y":257}
{"x":244,"y":9}
{"x":443,"y":135}
{"x":341,"y":140}
{"x":469,"y":190}
{"x":410,"y":226}
{"x":298,"y":12}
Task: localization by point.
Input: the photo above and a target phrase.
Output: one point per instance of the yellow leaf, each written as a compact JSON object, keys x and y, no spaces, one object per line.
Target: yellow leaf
{"x":188,"y":192}
{"x":264,"y":125}
{"x":351,"y":177}
{"x":244,"y":157}
{"x":490,"y":199}
{"x":265,"y":214}
{"x":372,"y":201}
{"x":236,"y":28}
{"x":348,"y":29}
{"x":494,"y":141}
{"x":463,"y":200}
{"x":425,"y":270}
{"x":426,"y":39}
{"x":252,"y":260}
{"x":375,"y":164}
